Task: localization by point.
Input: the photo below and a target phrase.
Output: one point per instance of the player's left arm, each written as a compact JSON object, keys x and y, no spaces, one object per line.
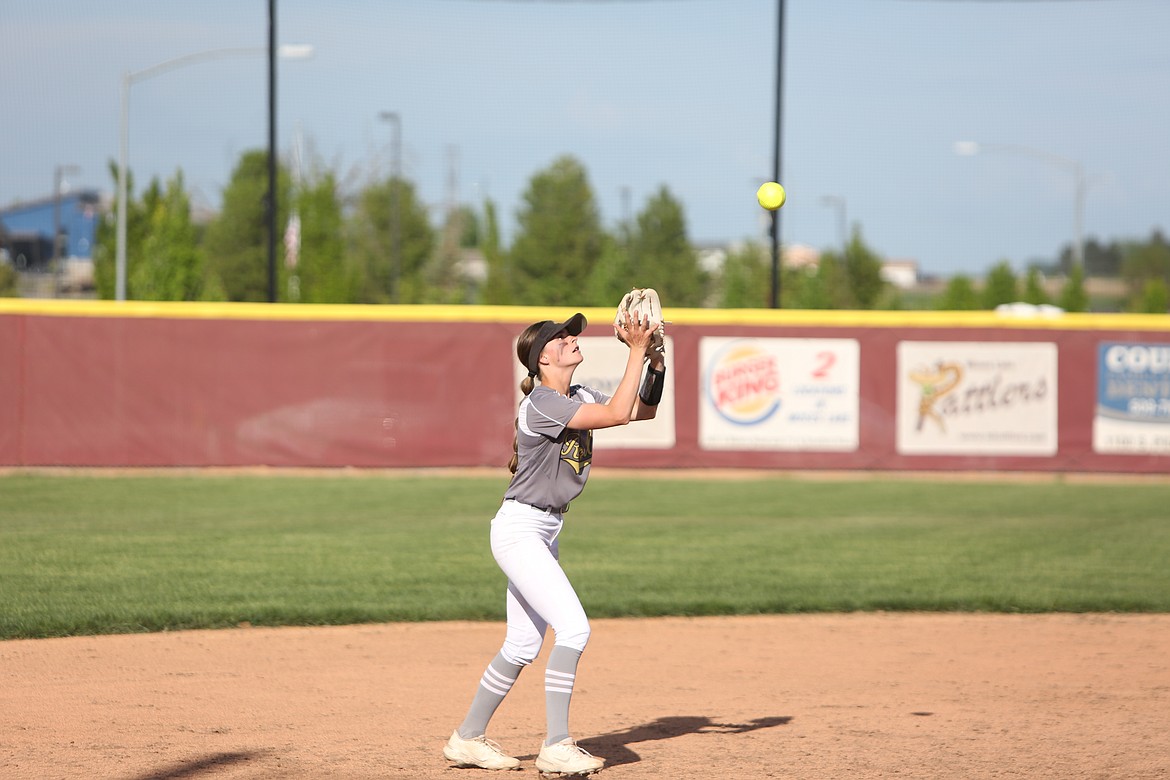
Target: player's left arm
{"x":650,"y":391}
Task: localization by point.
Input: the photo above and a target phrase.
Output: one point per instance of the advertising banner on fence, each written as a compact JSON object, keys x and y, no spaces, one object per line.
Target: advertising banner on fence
{"x":779,"y":394}
{"x":970,"y":398}
{"x":1133,"y":398}
{"x":602,"y":368}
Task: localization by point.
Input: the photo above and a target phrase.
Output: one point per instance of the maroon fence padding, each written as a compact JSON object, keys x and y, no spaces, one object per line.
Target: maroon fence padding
{"x":167,"y":391}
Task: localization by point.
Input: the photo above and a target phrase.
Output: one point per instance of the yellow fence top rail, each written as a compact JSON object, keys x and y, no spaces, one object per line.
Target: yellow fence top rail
{"x":527,"y":314}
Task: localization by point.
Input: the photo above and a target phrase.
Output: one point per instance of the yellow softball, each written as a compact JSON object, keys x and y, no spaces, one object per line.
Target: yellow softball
{"x":771,"y":195}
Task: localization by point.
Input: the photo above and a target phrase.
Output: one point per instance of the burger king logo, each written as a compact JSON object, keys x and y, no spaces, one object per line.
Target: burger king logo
{"x":743,"y":383}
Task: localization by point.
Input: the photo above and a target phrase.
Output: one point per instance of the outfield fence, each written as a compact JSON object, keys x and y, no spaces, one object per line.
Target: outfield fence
{"x":95,"y":383}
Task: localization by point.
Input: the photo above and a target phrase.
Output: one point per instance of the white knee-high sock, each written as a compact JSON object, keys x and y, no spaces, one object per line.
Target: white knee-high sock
{"x":497,"y":680}
{"x":559,"y":676}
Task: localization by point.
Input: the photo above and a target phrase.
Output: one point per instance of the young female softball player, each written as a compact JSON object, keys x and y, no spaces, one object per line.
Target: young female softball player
{"x":550,"y":464}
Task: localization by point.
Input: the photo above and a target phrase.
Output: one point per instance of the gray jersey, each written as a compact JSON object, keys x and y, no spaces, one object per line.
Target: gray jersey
{"x":553,"y":460}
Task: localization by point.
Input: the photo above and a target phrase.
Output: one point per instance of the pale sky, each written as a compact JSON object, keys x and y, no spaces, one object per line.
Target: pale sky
{"x":645,"y":93}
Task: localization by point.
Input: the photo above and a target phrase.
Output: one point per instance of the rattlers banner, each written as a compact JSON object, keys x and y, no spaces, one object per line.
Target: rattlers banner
{"x":970,"y":398}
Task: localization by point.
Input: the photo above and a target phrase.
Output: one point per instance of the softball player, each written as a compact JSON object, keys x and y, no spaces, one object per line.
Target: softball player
{"x":550,"y":464}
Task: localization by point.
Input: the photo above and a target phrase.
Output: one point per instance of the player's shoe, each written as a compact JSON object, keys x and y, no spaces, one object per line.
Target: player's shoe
{"x":481,"y":752}
{"x":567,"y":758}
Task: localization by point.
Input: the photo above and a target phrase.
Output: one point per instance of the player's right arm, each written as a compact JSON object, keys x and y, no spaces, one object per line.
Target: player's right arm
{"x":619,"y":409}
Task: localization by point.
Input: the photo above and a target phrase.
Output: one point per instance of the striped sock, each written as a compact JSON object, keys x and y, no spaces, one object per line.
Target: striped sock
{"x":497,"y":680}
{"x":559,"y":676}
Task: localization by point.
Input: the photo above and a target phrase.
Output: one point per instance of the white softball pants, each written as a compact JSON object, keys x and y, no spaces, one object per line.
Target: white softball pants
{"x":524,"y":543}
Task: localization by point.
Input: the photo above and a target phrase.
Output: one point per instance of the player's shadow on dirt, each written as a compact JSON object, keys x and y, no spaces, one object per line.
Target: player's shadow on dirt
{"x":614,"y":748}
{"x":204,"y":766}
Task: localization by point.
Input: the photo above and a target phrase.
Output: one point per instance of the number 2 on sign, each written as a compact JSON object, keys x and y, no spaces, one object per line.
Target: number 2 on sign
{"x":825,"y":361}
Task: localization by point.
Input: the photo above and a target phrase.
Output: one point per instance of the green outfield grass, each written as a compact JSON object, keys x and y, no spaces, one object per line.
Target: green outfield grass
{"x":97,"y":554}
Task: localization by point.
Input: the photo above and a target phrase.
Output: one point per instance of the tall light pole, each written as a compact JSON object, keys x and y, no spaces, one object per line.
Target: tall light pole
{"x":395,"y":217}
{"x":971,"y":148}
{"x":129,"y":78}
{"x":776,"y":150}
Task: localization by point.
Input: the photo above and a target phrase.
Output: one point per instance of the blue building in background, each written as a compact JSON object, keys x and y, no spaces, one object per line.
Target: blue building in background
{"x":27,"y":229}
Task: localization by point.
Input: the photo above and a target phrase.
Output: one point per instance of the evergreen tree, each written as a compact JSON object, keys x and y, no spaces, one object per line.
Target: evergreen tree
{"x":1034,"y":288}
{"x":959,"y":295}
{"x":1155,"y":297}
{"x":237,"y":240}
{"x":559,"y":239}
{"x":137,"y":230}
{"x":745,"y":281}
{"x":1001,"y":286}
{"x":1073,"y":296}
{"x":323,"y":271}
{"x":392,"y":240}
{"x":1144,"y":263}
{"x":169,"y":266}
{"x":661,"y":255}
{"x":825,"y":288}
{"x":498,"y":288}
{"x":863,"y":271}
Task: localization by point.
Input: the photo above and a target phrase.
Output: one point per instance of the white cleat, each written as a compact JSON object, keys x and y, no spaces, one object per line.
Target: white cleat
{"x":479,"y":752}
{"x":567,"y":758}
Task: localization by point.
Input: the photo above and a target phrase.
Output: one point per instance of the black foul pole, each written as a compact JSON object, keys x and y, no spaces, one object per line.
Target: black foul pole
{"x":776,"y":151}
{"x":270,"y":202}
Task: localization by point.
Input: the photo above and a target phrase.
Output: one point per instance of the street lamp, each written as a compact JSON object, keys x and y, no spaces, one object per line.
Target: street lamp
{"x":395,"y":218}
{"x":291,"y":51}
{"x":972,"y":148}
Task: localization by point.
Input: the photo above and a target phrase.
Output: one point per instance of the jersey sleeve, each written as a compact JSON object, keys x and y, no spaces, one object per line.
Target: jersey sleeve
{"x":548,"y":412}
{"x":589,"y":395}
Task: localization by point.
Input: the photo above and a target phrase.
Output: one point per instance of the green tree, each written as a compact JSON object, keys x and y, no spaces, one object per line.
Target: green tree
{"x":169,"y":265}
{"x":1144,"y":263}
{"x":498,"y":289}
{"x":8,"y":285}
{"x":445,"y":281}
{"x":392,"y":240}
{"x":1034,"y":287}
{"x":559,"y":240}
{"x":662,"y":257}
{"x":613,"y":272}
{"x":1000,"y":286}
{"x":826,"y":287}
{"x":863,"y":272}
{"x":959,"y":294}
{"x":138,"y":227}
{"x":323,"y":272}
{"x":745,"y":282}
{"x":237,"y":239}
{"x":1102,"y":259}
{"x":1155,"y":298}
{"x":1072,"y":295}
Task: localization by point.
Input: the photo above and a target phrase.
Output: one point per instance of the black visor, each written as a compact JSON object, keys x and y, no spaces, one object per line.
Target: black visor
{"x":573,"y":326}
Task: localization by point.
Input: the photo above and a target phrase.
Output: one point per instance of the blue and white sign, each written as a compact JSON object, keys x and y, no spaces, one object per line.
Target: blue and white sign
{"x":1133,"y":398}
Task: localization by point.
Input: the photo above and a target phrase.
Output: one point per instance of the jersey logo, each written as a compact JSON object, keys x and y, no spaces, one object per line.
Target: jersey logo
{"x":577,"y":450}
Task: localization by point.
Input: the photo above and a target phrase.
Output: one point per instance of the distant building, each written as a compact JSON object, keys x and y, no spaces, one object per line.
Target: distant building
{"x":28,"y":229}
{"x":903,"y":274}
{"x":802,"y":256}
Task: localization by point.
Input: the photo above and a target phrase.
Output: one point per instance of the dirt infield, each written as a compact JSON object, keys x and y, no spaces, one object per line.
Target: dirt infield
{"x":818,"y":696}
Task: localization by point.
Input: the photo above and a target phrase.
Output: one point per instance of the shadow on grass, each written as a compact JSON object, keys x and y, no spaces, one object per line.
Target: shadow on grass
{"x":615,"y":747}
{"x":209,"y":765}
